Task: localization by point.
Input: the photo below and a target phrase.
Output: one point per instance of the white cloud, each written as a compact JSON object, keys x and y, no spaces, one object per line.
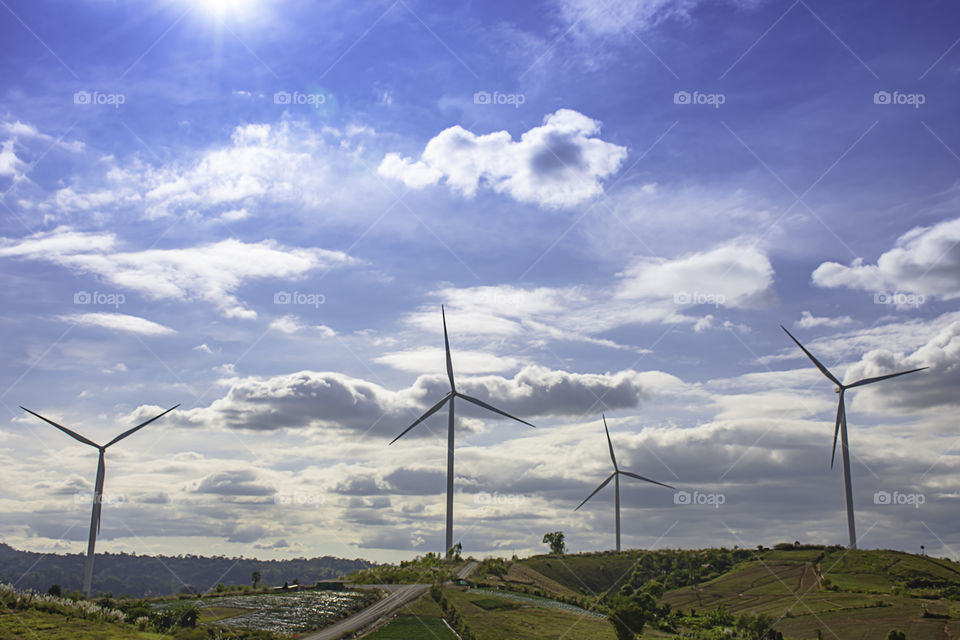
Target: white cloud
{"x":933,"y":388}
{"x":211,"y":272}
{"x":809,"y":321}
{"x":291,"y":324}
{"x":731,"y":275}
{"x":55,"y":243}
{"x":336,"y":401}
{"x":119,"y":322}
{"x":286,"y":163}
{"x":625,"y":17}
{"x":429,"y":360}
{"x":925,"y":261}
{"x":21,"y":134}
{"x":557,"y":164}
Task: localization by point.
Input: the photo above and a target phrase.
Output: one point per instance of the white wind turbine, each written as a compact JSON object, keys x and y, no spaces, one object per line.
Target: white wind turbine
{"x":98,"y":486}
{"x":449,"y":397}
{"x":615,"y":476}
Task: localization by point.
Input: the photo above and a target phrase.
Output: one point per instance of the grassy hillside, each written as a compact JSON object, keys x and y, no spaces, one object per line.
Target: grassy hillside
{"x":804,"y":591}
{"x":587,"y":574}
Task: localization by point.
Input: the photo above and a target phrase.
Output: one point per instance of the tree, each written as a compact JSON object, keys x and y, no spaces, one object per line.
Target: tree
{"x":54,"y":590}
{"x":255,"y":578}
{"x":455,"y":551}
{"x":630,"y":609}
{"x":555,"y":540}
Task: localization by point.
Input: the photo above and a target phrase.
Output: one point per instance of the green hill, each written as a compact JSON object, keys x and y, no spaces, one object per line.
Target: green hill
{"x":832,"y":591}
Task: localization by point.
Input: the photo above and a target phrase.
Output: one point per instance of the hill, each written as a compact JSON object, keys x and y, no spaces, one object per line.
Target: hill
{"x":802,"y":591}
{"x":140,"y":576}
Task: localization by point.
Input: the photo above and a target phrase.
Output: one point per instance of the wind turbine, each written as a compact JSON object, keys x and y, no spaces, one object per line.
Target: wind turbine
{"x":615,"y":476}
{"x":449,"y":397}
{"x":98,"y":487}
{"x":841,"y":429}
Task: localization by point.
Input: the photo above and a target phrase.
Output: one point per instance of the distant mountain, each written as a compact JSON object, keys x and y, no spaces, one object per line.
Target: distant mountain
{"x":135,"y":575}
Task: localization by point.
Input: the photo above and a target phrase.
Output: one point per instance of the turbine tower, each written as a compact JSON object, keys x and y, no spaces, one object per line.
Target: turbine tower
{"x":449,"y":397}
{"x":841,"y":429}
{"x":615,"y":476}
{"x":98,"y":486}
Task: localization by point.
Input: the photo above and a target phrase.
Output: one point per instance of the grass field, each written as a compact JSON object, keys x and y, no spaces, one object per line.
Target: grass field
{"x":585,"y":574}
{"x":493,"y":618}
{"x":406,"y":627}
{"x":17,"y":625}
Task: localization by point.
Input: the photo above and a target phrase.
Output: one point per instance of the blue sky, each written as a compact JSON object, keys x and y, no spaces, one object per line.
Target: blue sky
{"x":618,"y":203}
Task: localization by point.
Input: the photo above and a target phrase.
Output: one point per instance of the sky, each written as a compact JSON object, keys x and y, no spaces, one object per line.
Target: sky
{"x":256,"y":210}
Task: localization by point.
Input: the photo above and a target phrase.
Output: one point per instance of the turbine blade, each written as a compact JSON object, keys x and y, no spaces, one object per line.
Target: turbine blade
{"x":130,"y":432}
{"x":639,"y":477}
{"x":432,"y":410}
{"x":72,"y":434}
{"x":483,"y":404}
{"x":446,"y":344}
{"x":602,"y":485}
{"x":609,"y":443}
{"x":822,"y":368}
{"x":860,"y":383}
{"x":841,"y":415}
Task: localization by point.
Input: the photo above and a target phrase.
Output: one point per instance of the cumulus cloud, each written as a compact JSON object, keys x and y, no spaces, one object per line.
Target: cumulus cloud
{"x":925,"y":260}
{"x":558,"y":164}
{"x":233,"y":483}
{"x":334,"y":400}
{"x":210,"y":272}
{"x":732,"y":275}
{"x":925,"y":390}
{"x":119,"y":322}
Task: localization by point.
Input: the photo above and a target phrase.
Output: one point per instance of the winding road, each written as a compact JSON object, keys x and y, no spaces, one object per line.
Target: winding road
{"x":398,"y":596}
